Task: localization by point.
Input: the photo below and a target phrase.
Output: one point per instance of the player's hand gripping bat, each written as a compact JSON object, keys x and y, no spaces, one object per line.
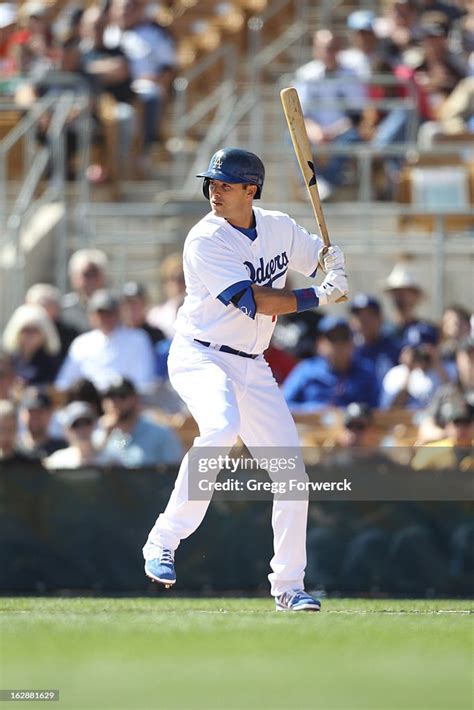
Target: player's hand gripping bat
{"x":299,"y":137}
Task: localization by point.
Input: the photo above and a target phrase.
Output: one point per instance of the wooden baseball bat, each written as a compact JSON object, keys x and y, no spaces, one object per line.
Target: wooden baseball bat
{"x":295,"y":121}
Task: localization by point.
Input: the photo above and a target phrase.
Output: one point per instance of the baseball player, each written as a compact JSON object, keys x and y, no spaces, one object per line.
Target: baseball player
{"x":236,"y":261}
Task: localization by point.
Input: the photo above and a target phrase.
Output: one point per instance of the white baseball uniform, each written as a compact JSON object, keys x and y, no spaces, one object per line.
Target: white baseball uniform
{"x":229,"y":394}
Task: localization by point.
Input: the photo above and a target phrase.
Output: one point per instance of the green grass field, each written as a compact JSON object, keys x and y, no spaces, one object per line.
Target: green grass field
{"x":170,"y":652}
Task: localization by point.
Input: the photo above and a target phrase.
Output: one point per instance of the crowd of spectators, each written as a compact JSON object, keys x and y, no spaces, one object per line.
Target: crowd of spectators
{"x":112,"y":49}
{"x":71,"y":348}
{"x":85,"y":373}
{"x":406,"y":74}
{"x":365,"y":362}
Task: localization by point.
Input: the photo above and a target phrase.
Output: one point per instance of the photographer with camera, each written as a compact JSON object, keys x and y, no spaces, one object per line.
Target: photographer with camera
{"x":420,"y":372}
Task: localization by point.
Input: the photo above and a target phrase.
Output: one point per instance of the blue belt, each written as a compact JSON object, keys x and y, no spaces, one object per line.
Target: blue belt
{"x":226,"y":349}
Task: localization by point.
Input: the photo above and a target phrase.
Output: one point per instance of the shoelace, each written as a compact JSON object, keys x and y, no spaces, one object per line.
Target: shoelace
{"x":166,"y":557}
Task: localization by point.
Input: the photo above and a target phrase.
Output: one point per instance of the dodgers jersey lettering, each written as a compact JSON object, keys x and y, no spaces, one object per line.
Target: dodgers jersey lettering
{"x":216,"y":256}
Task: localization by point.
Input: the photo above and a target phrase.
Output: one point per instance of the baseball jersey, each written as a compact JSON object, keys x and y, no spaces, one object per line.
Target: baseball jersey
{"x":217,"y":256}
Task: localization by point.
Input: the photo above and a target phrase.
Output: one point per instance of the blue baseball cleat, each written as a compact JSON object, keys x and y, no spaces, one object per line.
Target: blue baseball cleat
{"x":161,"y":568}
{"x":297,"y":600}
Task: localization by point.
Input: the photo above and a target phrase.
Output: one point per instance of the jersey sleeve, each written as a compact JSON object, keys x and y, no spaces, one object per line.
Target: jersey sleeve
{"x":217,"y":266}
{"x":304,"y":250}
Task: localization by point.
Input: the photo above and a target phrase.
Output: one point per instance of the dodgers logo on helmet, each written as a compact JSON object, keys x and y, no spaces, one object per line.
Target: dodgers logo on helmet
{"x":234,"y":165}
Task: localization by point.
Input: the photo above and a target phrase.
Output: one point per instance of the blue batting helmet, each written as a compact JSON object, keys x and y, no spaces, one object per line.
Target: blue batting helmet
{"x":234,"y":165}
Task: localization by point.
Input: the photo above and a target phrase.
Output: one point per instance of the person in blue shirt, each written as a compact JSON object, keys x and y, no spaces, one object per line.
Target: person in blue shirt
{"x":371,"y":342}
{"x":129,"y":437}
{"x":335,"y":377}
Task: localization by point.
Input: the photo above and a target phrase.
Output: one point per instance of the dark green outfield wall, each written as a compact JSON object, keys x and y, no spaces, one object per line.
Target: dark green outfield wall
{"x":83,"y":530}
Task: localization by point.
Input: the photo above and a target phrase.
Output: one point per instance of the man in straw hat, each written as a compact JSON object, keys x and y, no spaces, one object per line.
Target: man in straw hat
{"x":406,"y":294}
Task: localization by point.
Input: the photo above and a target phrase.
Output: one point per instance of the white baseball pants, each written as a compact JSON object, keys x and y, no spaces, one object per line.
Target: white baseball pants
{"x":229,"y":395}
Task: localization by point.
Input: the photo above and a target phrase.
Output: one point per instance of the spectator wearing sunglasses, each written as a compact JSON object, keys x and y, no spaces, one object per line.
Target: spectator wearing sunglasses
{"x":78,"y":420}
{"x":35,"y":417}
{"x":358,"y":427}
{"x":128,"y":436}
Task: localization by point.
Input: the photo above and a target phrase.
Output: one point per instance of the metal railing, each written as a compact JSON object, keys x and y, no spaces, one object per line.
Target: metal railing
{"x":220,"y":131}
{"x":365,"y":155}
{"x":23,"y":129}
{"x":43,"y":180}
{"x":260,"y":55}
{"x":187,"y":117}
{"x":224,"y":98}
{"x":255,"y":119}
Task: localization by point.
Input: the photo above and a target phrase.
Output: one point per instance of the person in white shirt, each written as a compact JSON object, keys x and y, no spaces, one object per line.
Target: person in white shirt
{"x":236,"y":261}
{"x":108,"y":350}
{"x":151,"y":53}
{"x":332,"y":99}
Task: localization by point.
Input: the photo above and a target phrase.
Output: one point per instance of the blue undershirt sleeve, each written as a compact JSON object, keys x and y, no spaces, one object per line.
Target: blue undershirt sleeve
{"x":227,"y":295}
